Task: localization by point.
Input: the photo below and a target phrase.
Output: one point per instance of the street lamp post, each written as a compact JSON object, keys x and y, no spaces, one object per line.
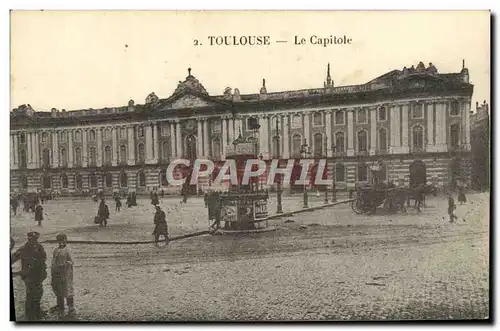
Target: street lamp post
{"x":279,"y":208}
{"x":304,"y":150}
{"x":326,"y":165}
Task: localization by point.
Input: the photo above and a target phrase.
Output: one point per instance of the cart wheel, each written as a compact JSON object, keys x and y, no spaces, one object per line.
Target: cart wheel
{"x":357,"y":207}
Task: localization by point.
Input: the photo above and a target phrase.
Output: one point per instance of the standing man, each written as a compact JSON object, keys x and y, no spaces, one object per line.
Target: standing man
{"x":161,"y":228}
{"x":451,"y":207}
{"x":118,"y":203}
{"x":103,"y":213}
{"x":14,"y":204}
{"x":39,"y":214}
{"x":33,"y":273}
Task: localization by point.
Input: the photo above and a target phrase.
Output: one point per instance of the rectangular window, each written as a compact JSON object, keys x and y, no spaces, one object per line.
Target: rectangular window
{"x":296,"y":122}
{"x":339,"y":117}
{"x":318,"y":119}
{"x":382,"y":115}
{"x":362,"y":116}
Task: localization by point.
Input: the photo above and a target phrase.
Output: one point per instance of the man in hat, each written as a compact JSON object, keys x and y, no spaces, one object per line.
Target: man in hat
{"x":161,"y":227}
{"x":33,"y":273}
{"x":103,"y":213}
{"x":62,"y":275}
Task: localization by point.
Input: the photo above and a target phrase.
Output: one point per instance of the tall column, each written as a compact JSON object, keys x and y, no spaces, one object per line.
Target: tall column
{"x":69,"y":152}
{"x":29,"y":148}
{"x":404,"y":129}
{"x":16,"y":150}
{"x":307,"y":130}
{"x":441,"y":143}
{"x":206,"y":148}
{"x":11,"y":145}
{"x":149,"y":143}
{"x":156,"y":143}
{"x":395,"y":135}
{"x":173,"y":153}
{"x":467,"y":126}
{"x":264,"y":136}
{"x":350,"y":133}
{"x":328,"y":120}
{"x":99,"y":147}
{"x":199,"y":139}
{"x":85,"y":151}
{"x":430,"y":128}
{"x":131,"y":145}
{"x":286,"y":139}
{"x":373,"y":131}
{"x":238,"y":127}
{"x":224,"y":138}
{"x":178,"y":139}
{"x":114,"y":145}
{"x":231,"y":134}
{"x":55,"y":149}
{"x":36,"y":151}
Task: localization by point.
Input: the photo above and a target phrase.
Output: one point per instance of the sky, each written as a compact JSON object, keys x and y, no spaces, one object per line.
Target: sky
{"x":95,"y":59}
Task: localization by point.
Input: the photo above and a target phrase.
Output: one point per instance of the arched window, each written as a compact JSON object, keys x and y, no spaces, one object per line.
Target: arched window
{"x":362,"y":173}
{"x":22,"y":138}
{"x":339,"y":117}
{"x":382,"y":115}
{"x":317,"y":119}
{"x":166,"y":150}
{"x":108,"y":180}
{"x":64,"y":157}
{"x":340,"y":142}
{"x":64,"y":181}
{"x":362,"y":116}
{"x":296,"y":143}
{"x":140,"y":151}
{"x":163,"y":178}
{"x":46,"y":158}
{"x":455,"y":135}
{"x":216,"y":148}
{"x":93,"y":156}
{"x":92,"y":135}
{"x":93,"y":180}
{"x":362,"y":141}
{"x":318,"y":144}
{"x":141,"y":179}
{"x":78,"y":136}
{"x":123,"y":154}
{"x":107,"y":134}
{"x":107,"y":155}
{"x":339,"y":172}
{"x":123,"y":180}
{"x":78,"y":181}
{"x":382,"y":139}
{"x":23,"y":182}
{"x":22,"y":158}
{"x":418,"y":137}
{"x":78,"y":156}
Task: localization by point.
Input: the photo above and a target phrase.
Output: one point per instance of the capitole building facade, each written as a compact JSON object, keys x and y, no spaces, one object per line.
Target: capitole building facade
{"x":414,"y":121}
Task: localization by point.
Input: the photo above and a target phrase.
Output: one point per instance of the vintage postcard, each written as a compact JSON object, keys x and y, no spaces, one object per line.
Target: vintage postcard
{"x":250,"y":165}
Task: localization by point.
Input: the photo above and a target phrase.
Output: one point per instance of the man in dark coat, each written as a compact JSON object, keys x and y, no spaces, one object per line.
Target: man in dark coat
{"x":39,"y":214}
{"x":154,"y":199}
{"x":118,"y":203}
{"x":451,"y":207}
{"x":161,"y":228}
{"x":33,"y":273}
{"x":103,"y":213}
{"x":14,"y":204}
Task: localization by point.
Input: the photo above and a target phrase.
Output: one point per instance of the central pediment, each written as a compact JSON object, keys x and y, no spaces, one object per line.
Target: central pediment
{"x":187,"y":101}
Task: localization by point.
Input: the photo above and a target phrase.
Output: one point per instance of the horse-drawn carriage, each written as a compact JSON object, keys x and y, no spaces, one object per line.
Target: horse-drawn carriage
{"x":392,"y":199}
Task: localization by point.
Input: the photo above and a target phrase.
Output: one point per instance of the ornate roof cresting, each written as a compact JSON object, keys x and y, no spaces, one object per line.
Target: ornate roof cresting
{"x":190,"y":84}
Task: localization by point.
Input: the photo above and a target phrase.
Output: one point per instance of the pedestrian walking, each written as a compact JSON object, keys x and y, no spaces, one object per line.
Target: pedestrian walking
{"x":118,"y":203}
{"x":451,"y":208}
{"x":39,"y":214}
{"x":461,"y":195}
{"x":161,"y":228}
{"x":14,"y":203}
{"x":103,"y":213}
{"x":62,"y":276}
{"x":33,"y":272}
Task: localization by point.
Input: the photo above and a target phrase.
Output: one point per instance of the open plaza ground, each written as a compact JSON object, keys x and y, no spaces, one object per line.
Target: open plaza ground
{"x":326,"y":264}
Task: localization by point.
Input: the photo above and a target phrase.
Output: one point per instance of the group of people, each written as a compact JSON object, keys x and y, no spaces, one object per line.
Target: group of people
{"x":34,"y":271}
{"x":36,"y":207}
{"x":451,"y":203}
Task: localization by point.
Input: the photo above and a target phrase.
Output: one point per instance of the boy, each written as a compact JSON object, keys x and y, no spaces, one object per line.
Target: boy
{"x":62,"y":276}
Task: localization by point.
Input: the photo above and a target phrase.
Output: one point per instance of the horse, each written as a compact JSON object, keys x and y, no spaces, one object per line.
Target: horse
{"x":418,"y":193}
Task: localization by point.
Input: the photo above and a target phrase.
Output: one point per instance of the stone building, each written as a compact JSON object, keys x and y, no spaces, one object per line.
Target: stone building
{"x":480,"y":146}
{"x":416,"y":120}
